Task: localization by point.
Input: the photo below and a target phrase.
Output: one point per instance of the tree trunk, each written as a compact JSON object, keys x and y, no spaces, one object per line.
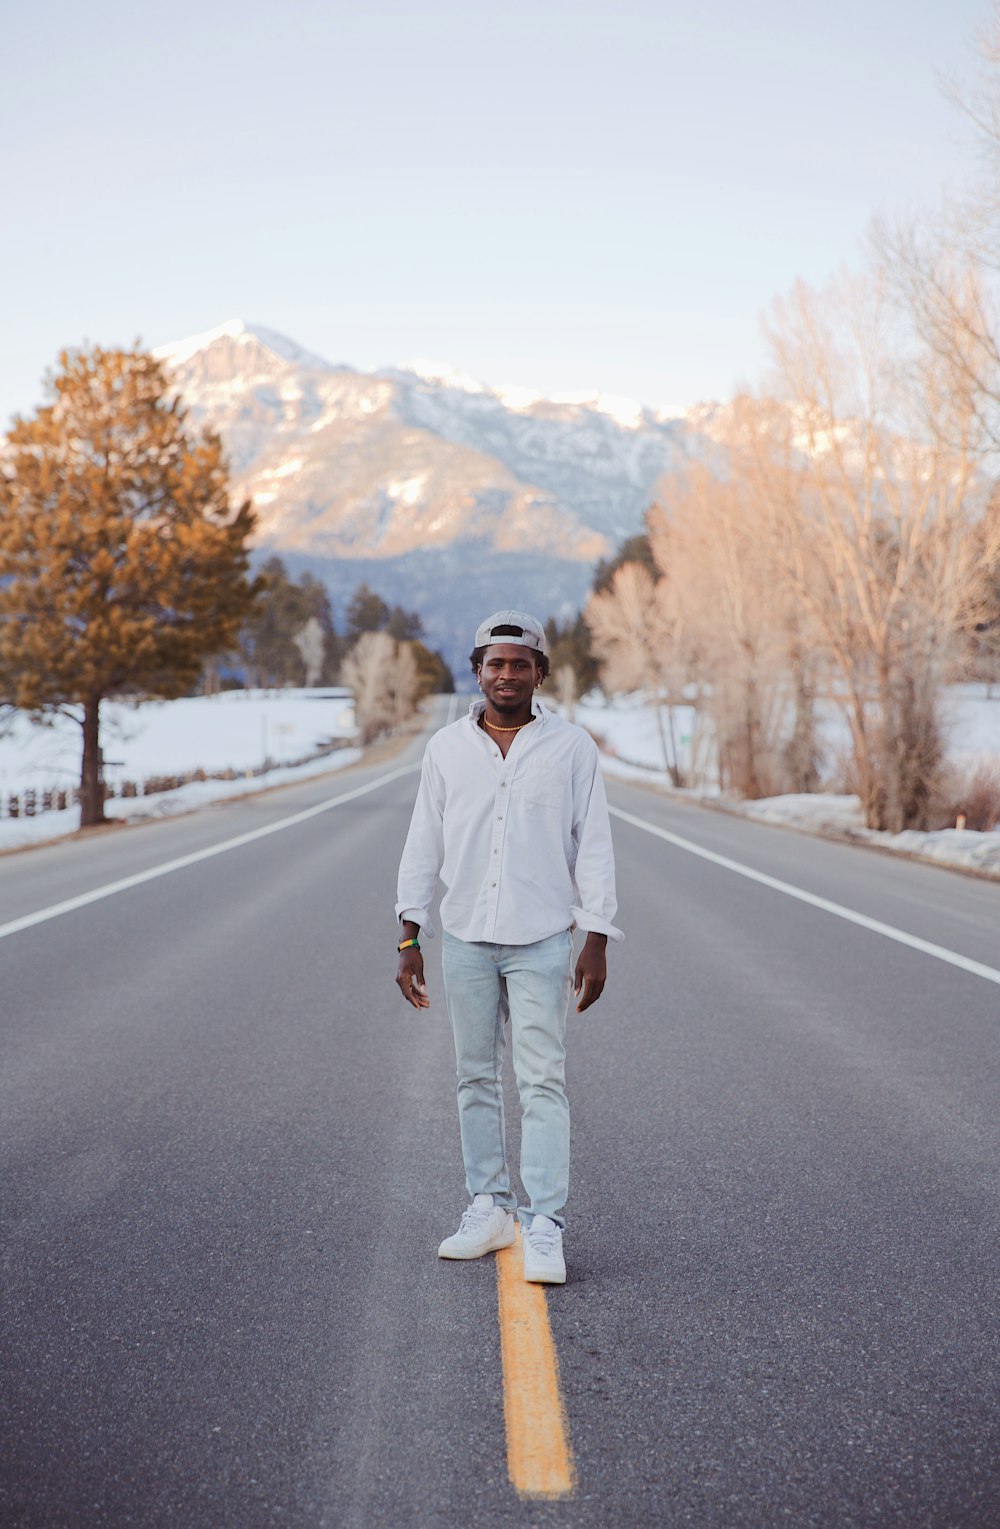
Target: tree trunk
{"x":751,"y":783}
{"x":91,"y":782}
{"x":668,"y":765}
{"x":676,"y":773}
{"x":801,"y":751}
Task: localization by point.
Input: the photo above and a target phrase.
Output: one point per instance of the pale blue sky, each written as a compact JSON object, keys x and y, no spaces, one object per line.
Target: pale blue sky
{"x":569,"y":194}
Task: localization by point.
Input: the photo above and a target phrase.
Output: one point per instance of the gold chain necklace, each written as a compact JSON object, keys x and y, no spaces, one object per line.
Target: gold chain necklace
{"x":498,"y":729}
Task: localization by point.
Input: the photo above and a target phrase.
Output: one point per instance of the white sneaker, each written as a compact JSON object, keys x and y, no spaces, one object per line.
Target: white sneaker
{"x":483,"y":1228}
{"x":543,"y":1255}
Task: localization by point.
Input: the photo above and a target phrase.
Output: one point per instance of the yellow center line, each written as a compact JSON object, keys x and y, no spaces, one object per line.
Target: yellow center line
{"x":539,"y":1458}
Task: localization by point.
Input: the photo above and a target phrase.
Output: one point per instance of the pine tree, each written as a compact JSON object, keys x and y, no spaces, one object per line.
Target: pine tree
{"x":433,"y":675}
{"x":269,"y":642}
{"x":405,"y":626}
{"x":569,"y":647}
{"x":635,"y":549}
{"x":122,"y":565}
{"x":366,"y":612}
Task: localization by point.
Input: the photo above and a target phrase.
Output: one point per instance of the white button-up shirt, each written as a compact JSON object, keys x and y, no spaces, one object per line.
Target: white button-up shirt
{"x":522,"y":843}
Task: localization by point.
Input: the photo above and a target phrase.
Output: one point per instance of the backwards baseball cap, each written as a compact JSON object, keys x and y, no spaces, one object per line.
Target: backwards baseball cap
{"x":513,"y":627}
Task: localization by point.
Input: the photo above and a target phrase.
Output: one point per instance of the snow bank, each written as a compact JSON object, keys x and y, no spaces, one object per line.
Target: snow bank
{"x":843,"y":816}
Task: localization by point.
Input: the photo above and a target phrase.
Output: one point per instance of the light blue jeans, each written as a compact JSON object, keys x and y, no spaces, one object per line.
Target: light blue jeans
{"x":485,"y":985}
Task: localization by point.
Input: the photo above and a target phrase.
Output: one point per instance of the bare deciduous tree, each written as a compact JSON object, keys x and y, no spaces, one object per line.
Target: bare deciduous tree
{"x":384,"y":677}
{"x":368,"y":671}
{"x":843,"y":537}
{"x":406,"y":679}
{"x":311,"y":643}
{"x":633,"y":635}
{"x":877,"y":527}
{"x":944,"y":263}
{"x":565,"y":686}
{"x":719,"y":576}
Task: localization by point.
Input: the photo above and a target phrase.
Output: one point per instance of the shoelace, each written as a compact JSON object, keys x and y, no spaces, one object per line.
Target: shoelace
{"x":544,"y":1241}
{"x":473,"y":1217}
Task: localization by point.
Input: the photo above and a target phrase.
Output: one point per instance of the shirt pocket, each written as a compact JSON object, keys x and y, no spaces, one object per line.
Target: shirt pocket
{"x":548,"y":791}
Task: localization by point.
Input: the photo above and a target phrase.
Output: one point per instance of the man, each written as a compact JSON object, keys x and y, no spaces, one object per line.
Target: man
{"x":511,"y":814}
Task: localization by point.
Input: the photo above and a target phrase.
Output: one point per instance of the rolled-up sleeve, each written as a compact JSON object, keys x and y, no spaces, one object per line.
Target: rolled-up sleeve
{"x":594,"y":873}
{"x":423,"y":852}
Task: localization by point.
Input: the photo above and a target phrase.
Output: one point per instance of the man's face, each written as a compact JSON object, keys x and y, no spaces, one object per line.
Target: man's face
{"x":508,"y":675}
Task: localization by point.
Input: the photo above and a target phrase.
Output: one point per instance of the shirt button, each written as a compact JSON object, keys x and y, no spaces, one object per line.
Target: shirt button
{"x":503,"y":785}
{"x":499,"y":818}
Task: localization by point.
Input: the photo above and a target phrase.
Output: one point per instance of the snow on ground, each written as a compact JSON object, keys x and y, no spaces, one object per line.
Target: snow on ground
{"x":627,"y":728}
{"x":235,"y":731}
{"x":972,"y":721}
{"x":232,"y":731}
{"x":842,"y":816}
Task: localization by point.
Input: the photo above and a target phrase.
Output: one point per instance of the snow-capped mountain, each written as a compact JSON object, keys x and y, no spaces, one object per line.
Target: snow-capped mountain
{"x":448,"y":496}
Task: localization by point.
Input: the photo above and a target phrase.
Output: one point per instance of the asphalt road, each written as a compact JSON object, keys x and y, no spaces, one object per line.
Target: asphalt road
{"x":229,"y":1151}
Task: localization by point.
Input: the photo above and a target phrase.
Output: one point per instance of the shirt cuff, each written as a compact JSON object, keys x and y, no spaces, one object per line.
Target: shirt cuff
{"x":419,"y":916}
{"x":595,"y":924}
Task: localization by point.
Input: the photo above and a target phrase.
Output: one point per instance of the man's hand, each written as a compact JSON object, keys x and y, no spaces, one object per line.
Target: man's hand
{"x":410,"y":979}
{"x":591,"y":970}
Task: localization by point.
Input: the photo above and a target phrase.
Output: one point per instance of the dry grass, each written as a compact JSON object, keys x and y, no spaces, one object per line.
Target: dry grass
{"x":973,"y":794}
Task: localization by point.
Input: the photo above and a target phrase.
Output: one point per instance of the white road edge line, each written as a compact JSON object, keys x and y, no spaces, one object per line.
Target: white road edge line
{"x":888,"y":931}
{"x":111,"y":888}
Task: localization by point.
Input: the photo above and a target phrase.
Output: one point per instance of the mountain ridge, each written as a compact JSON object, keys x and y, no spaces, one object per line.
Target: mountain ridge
{"x":450,"y":496}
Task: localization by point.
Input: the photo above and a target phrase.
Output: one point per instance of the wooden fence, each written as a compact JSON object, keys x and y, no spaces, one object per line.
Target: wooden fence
{"x":29,"y":803}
